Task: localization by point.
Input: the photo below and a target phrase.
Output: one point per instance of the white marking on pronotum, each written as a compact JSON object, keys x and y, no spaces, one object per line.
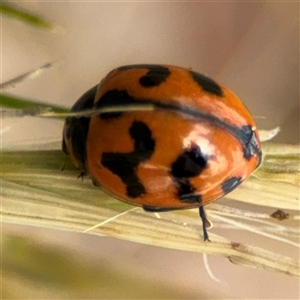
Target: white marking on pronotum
{"x":111,"y":219}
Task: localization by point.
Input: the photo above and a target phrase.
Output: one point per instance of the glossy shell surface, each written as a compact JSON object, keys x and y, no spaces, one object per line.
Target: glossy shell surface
{"x":196,"y":143}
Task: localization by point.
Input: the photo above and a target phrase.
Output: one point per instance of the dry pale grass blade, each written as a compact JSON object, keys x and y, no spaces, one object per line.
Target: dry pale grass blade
{"x":266,"y":135}
{"x":272,"y":149}
{"x":279,"y":195}
{"x":35,"y":192}
{"x":281,"y":162}
{"x":258,"y":223}
{"x":28,"y":75}
{"x":276,"y":182}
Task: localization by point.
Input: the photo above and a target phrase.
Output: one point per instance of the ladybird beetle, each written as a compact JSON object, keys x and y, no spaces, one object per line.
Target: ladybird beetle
{"x":165,"y":138}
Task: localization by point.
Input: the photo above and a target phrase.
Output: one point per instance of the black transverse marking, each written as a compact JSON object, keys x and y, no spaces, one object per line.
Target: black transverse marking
{"x":154,"y":77}
{"x":124,"y":164}
{"x":115,"y":98}
{"x":189,"y":164}
{"x":245,"y":134}
{"x":207,"y":84}
{"x":230,"y":184}
{"x":156,"y":74}
{"x":77,"y":128}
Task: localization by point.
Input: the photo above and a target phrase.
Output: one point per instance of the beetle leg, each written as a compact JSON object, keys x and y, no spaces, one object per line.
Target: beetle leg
{"x":205,"y":223}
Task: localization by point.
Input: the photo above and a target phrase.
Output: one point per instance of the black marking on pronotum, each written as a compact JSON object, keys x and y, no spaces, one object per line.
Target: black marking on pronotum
{"x":124,"y":164}
{"x":230,"y":184}
{"x":207,"y":84}
{"x":245,"y":134}
{"x":188,"y":164}
{"x":77,"y":128}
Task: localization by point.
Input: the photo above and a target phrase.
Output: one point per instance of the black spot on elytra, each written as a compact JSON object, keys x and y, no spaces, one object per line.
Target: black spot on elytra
{"x":143,"y":142}
{"x":77,"y":128}
{"x":189,"y":164}
{"x":244,"y":134}
{"x":230,"y":184}
{"x":207,"y":84}
{"x":156,"y":75}
{"x":124,"y":164}
{"x":186,"y":191}
{"x":115,"y":98}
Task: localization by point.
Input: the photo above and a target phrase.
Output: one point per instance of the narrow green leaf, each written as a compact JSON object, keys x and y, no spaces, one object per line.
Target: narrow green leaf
{"x":25,"y":17}
{"x":14,"y":102}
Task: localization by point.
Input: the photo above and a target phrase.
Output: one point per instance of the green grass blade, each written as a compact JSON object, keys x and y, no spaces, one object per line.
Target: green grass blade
{"x":13,"y":102}
{"x":25,"y":17}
